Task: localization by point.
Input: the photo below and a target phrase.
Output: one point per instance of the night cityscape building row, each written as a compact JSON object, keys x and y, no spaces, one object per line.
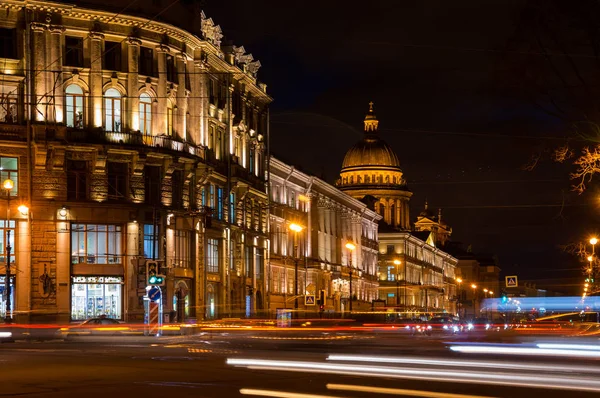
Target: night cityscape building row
{"x":130,"y":139}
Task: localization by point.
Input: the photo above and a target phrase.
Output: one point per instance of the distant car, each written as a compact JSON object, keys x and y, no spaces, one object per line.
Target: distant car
{"x":412,"y":326}
{"x":96,"y":327}
{"x":479,"y":324}
{"x":446,"y":325}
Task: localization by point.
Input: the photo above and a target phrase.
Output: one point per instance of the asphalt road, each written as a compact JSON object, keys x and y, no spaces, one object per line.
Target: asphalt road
{"x":281,"y":365}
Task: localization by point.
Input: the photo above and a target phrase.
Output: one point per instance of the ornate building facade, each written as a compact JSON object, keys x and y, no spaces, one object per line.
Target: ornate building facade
{"x":316,"y":257}
{"x":130,"y":139}
{"x":414,"y":274}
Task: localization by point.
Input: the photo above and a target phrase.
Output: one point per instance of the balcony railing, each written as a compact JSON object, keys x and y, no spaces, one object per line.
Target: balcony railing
{"x":13,"y":132}
{"x":133,"y":139}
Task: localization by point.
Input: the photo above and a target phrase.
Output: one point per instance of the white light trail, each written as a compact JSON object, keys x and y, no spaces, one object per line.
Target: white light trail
{"x":474,"y":349}
{"x":280,"y":394}
{"x":569,"y":346}
{"x":537,"y":380}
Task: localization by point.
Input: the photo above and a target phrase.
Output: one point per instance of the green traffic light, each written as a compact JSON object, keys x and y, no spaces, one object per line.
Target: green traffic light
{"x":153,"y":279}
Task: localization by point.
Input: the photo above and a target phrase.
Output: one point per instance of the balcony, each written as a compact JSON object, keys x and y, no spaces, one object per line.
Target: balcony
{"x":163,"y":142}
{"x":14,"y":132}
{"x":238,"y":171}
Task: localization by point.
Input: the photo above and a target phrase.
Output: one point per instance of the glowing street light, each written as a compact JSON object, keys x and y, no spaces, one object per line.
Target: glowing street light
{"x":397,"y":264}
{"x":351,"y":247}
{"x":593,"y":241}
{"x":8,"y":185}
{"x":474,"y":286}
{"x":296,"y":228}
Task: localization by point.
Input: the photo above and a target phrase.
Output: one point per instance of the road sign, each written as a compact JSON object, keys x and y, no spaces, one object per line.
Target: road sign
{"x":512,"y":281}
{"x":154,"y":293}
{"x":310,"y":288}
{"x":309,"y":299}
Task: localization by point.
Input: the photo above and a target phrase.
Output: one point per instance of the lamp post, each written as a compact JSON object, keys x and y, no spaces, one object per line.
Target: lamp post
{"x":474,"y":287}
{"x":350,"y":246}
{"x":8,"y":186}
{"x":296,"y":229}
{"x":397,"y":264}
{"x":459,"y":281}
{"x":593,"y":241}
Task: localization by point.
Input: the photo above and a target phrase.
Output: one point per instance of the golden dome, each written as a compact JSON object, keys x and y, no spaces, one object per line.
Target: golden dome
{"x":371,"y":151}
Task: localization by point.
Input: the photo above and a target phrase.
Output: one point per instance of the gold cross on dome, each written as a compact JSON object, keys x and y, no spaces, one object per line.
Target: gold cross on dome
{"x":371,"y":106}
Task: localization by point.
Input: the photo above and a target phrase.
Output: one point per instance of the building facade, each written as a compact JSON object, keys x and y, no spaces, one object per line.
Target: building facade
{"x":415,"y":274}
{"x":316,"y":258}
{"x":130,"y":139}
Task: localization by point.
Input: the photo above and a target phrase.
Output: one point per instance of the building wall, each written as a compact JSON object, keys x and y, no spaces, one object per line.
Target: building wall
{"x":106,"y":137}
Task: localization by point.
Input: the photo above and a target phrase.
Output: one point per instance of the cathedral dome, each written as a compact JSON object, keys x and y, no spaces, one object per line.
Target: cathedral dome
{"x":371,"y":151}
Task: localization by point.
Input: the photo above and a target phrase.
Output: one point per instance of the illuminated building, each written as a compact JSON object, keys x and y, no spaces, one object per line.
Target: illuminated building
{"x":130,"y":138}
{"x":329,"y":219}
{"x":415,"y":273}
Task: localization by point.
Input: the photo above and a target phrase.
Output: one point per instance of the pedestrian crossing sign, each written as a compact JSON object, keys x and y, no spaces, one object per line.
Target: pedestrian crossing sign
{"x":309,"y":299}
{"x":512,"y":281}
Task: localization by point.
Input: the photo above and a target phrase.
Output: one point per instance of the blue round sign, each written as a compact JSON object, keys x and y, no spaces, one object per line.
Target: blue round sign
{"x":154,"y":293}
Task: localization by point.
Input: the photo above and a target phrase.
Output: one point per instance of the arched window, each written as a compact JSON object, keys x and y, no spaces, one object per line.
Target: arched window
{"x":169,"y":118}
{"x":74,"y":106}
{"x":112,"y":110}
{"x":145,"y":114}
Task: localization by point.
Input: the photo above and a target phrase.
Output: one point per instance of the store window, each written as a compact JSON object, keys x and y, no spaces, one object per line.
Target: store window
{"x":9,"y":169}
{"x":94,"y":296}
{"x":74,"y":106}
{"x":112,"y":110}
{"x":183,"y":250}
{"x":4,"y":234}
{"x":145,"y":114}
{"x":212,"y":256}
{"x":3,"y":295}
{"x":96,"y":244}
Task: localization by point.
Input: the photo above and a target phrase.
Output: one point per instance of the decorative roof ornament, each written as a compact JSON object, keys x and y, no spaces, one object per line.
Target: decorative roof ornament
{"x":253,"y":68}
{"x":240,"y":55}
{"x":210,"y":32}
{"x":371,"y":122}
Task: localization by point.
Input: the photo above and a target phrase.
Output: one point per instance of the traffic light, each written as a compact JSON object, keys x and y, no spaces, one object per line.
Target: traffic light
{"x":152,"y":276}
{"x":321,"y":299}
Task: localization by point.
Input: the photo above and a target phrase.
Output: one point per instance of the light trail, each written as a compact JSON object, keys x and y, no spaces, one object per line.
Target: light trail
{"x":474,"y":349}
{"x":463,"y":363}
{"x":574,"y":382}
{"x":398,"y":391}
{"x":280,"y":394}
{"x":569,"y":346}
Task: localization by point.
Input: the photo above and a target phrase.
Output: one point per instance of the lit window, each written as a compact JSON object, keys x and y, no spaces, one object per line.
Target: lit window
{"x":212,"y":256}
{"x":169,"y":118}
{"x":3,"y":240}
{"x":150,"y":238}
{"x":8,"y":104}
{"x":182,"y":252}
{"x":96,"y":244}
{"x":112,"y":110}
{"x":9,"y":169}
{"x":74,"y":106}
{"x":145,"y":114}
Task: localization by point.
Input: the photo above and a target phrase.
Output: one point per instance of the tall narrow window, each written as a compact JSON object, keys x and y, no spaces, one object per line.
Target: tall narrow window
{"x":251,"y":159}
{"x":171,"y":71}
{"x":220,"y":203}
{"x":8,"y":43}
{"x":77,"y":180}
{"x":9,"y":169}
{"x":73,"y":51}
{"x":74,"y":106}
{"x":150,"y":244}
{"x":112,"y":110}
{"x":211,"y":91}
{"x":8,"y":104}
{"x":169,"y":118}
{"x":212,"y":256}
{"x":211,"y":137}
{"x":145,"y":114}
{"x":152,"y":181}
{"x":219,"y":144}
{"x":112,"y":56}
{"x":118,"y":174}
{"x":232,"y":207}
{"x":177,"y":189}
{"x":146,"y":64}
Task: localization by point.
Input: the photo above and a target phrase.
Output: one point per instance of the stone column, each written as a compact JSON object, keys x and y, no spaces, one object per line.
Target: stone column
{"x":133,"y":67}
{"x":406,"y":215}
{"x":196,"y":124}
{"x":182,"y":106}
{"x":96,"y":78}
{"x":160,"y":126}
{"x":56,"y":78}
{"x":39,"y":75}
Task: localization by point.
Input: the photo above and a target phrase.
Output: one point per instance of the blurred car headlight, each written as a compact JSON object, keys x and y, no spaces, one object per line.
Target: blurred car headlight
{"x":487,"y":326}
{"x":429,"y":327}
{"x":5,"y":335}
{"x":469,"y":326}
{"x":455,"y":328}
{"x":445,"y":327}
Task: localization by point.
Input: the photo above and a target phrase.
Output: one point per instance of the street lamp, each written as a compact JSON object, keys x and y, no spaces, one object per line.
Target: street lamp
{"x":474,"y":287}
{"x":8,"y":185}
{"x":459,"y":281}
{"x":350,"y":246}
{"x":397,"y":264}
{"x":296,"y":229}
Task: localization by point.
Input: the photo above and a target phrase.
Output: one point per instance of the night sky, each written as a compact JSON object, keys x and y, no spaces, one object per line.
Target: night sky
{"x":447,"y":82}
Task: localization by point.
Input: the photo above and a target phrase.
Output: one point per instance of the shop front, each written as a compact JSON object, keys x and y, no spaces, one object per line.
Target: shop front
{"x":94,"y":296}
{"x":3,"y":295}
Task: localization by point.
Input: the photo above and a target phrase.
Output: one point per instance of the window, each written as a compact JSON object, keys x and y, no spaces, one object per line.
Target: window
{"x":211,"y":91}
{"x":182,"y":254}
{"x":211,"y":137}
{"x":251,"y":160}
{"x":146,"y":64}
{"x":112,"y":56}
{"x":152,"y":185}
{"x":248,"y":261}
{"x":150,"y":241}
{"x":73,"y":51}
{"x":259,"y":262}
{"x":94,"y":296}
{"x":145,"y":114}
{"x":212,"y":256}
{"x":74,"y":106}
{"x":211,"y":198}
{"x":96,"y":244}
{"x":112,"y":110}
{"x":77,"y":179}
{"x":219,"y":144}
{"x":232,"y":207}
{"x":177,"y":189}
{"x":390,"y":249}
{"x":391,"y":273}
{"x":8,"y":104}
{"x":8,"y":43}
{"x":169,"y":118}
{"x":171,"y":71}
{"x":220,"y":203}
{"x":4,"y":229}
{"x":188,"y":84}
{"x":9,"y":169}
{"x":238,"y":149}
{"x":118,"y":176}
